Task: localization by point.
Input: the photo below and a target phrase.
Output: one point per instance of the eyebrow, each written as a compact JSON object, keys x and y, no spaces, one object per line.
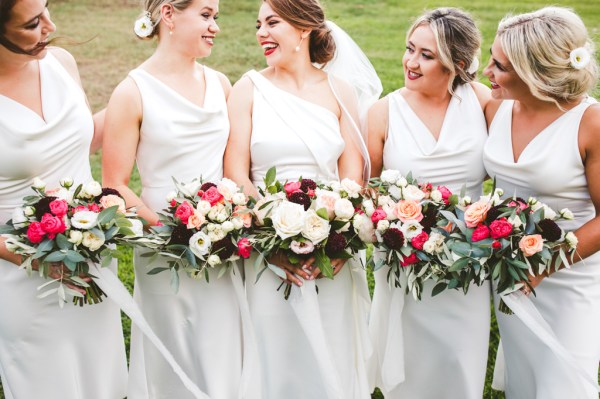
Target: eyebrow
{"x":37,"y":16}
{"x":422,"y":48}
{"x":267,"y":18}
{"x":498,"y":62}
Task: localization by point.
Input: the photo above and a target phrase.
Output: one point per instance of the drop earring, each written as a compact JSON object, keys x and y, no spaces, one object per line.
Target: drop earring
{"x":297,"y":49}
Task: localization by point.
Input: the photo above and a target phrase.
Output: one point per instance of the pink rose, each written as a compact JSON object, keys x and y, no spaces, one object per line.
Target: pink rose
{"x":378,"y":214}
{"x":476,"y":213}
{"x":212,"y":195}
{"x":184,"y":211}
{"x":426,"y":188}
{"x":518,"y":204}
{"x":292,"y":187}
{"x":446,"y":193}
{"x":111,"y":200}
{"x":480,"y":233}
{"x":531,"y":244}
{"x":418,"y":241}
{"x":240,"y":212}
{"x":244,"y":248}
{"x":196,"y":220}
{"x":59,"y":207}
{"x":94,"y":208}
{"x":500,"y":228}
{"x":52,"y":225}
{"x":35,"y":232}
{"x":406,"y":210}
{"x":409,"y":260}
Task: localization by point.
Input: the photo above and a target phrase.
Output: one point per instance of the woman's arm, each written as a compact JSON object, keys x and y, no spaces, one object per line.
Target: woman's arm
{"x":378,"y":121}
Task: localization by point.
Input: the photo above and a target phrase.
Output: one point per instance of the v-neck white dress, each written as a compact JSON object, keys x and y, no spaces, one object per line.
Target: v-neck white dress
{"x":201,"y":324}
{"x":437,"y":347}
{"x":45,"y":351}
{"x":550,"y":168}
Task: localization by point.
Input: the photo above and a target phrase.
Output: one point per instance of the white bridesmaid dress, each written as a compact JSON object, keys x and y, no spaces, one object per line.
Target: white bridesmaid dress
{"x":45,"y":351}
{"x":436,"y":347}
{"x":550,"y":168}
{"x":312,"y":345}
{"x":201,"y":325}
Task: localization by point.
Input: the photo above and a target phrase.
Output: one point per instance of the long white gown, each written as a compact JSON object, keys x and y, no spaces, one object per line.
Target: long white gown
{"x":437,"y":347}
{"x":550,"y":168}
{"x":303,"y":139}
{"x":201,"y":324}
{"x":45,"y":351}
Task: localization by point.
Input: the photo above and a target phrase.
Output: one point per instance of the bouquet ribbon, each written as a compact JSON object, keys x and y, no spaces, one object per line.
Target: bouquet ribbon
{"x":116,"y":291}
{"x":526,"y":311}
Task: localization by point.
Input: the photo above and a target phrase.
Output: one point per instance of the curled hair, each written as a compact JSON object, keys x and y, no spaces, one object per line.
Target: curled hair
{"x":458,"y":41}
{"x":538,"y":45}
{"x":152,"y":7}
{"x":308,"y":15}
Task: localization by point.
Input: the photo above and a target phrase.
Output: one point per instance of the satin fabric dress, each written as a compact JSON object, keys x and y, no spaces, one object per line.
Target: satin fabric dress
{"x":550,"y":168}
{"x":201,"y":323}
{"x":436,"y":347}
{"x":45,"y":351}
{"x":312,"y":345}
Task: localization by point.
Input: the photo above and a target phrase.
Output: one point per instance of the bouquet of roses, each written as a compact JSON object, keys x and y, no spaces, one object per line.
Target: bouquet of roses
{"x":400,"y":220}
{"x":70,"y":226}
{"x":508,"y":239}
{"x":203,"y":227}
{"x":304,"y":219}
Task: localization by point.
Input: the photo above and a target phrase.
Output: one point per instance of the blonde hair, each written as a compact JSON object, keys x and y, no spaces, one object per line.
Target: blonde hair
{"x":152,"y":7}
{"x":458,"y":41}
{"x":538,"y":45}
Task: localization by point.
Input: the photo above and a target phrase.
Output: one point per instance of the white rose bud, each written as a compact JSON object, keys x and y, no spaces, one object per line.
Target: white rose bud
{"x":91,"y":189}
{"x":351,"y":187}
{"x":171,"y":196}
{"x":436,"y":196}
{"x":29,"y":210}
{"x":239,"y":199}
{"x":344,"y":209}
{"x":75,"y":237}
{"x":92,"y":241}
{"x":39,"y":183}
{"x":402,"y":182}
{"x":395,"y":192}
{"x":238,"y":223}
{"x":464,"y":201}
{"x":390,"y":176}
{"x":571,"y":239}
{"x":549,"y":213}
{"x":515,"y":221}
{"x":369,"y":207}
{"x":213,"y":260}
{"x":567,"y":214}
{"x":429,"y":246}
{"x":18,"y":218}
{"x":203,"y":207}
{"x":227,"y":226}
{"x":383,"y":225}
{"x":66,"y":182}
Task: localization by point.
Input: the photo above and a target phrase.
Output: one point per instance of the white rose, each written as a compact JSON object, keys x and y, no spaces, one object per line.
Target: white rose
{"x":429,"y":246}
{"x":288,"y":219}
{"x":200,"y":244}
{"x":203,"y":207}
{"x":549,"y":212}
{"x":383,"y":225}
{"x":414,"y":193}
{"x":351,"y":187}
{"x":535,"y":204}
{"x":91,"y":189}
{"x":92,"y":241}
{"x":571,"y":239}
{"x":411,"y":229}
{"x":84,"y":220}
{"x":316,"y":229}
{"x":369,"y":207}
{"x":395,"y":192}
{"x":402,"y":182}
{"x":364,"y":227}
{"x":143,"y":26}
{"x":238,"y":223}
{"x":66,"y":182}
{"x":227,"y":226}
{"x":436,"y":196}
{"x":239,"y":199}
{"x":137,"y":227}
{"x":75,"y":237}
{"x":213,"y":260}
{"x":171,"y":195}
{"x":335,"y":186}
{"x":464,"y":201}
{"x":38,"y":183}
{"x":516,"y":221}
{"x":18,"y":218}
{"x":190,"y":189}
{"x":227,"y":188}
{"x":66,"y":195}
{"x":218,"y":213}
{"x":326,"y":199}
{"x":29,"y":210}
{"x":390,"y":176}
{"x":344,"y":209}
{"x":567,"y":214}
{"x":388,"y":208}
{"x":259,"y":213}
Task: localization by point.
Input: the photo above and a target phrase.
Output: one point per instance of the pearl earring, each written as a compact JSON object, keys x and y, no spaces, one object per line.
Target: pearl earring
{"x":297,"y":49}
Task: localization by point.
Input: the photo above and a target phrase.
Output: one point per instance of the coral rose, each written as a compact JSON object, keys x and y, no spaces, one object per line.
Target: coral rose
{"x":408,"y":210}
{"x":531,"y":244}
{"x":476,"y":213}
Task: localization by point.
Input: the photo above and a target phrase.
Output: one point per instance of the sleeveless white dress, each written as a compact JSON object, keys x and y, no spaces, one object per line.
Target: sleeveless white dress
{"x":550,"y":168}
{"x":201,"y":324}
{"x":45,"y":351}
{"x":437,"y":347}
{"x":312,"y":345}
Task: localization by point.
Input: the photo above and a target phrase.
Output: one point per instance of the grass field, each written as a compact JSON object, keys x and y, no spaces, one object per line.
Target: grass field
{"x":378,"y":26}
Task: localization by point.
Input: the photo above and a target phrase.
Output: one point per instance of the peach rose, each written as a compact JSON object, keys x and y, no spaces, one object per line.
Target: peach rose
{"x":531,"y":244}
{"x":476,"y":213}
{"x":408,"y":210}
{"x":111,"y":200}
{"x":196,"y":220}
{"x":246,"y":216}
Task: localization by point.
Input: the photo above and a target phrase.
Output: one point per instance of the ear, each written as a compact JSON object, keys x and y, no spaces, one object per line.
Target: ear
{"x":461,"y":64}
{"x":166,"y":13}
{"x":305,"y":33}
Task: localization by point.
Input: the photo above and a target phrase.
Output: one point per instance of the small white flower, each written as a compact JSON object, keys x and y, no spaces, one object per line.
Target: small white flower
{"x":200,"y":244}
{"x":315,"y":228}
{"x":351,"y":187}
{"x":239,"y":199}
{"x":84,"y":220}
{"x":402,"y":182}
{"x":549,"y":213}
{"x":383,"y":225}
{"x":302,"y":248}
{"x":171,"y":196}
{"x":499,"y":192}
{"x":75,"y":237}
{"x":213,"y":260}
{"x":218,"y":213}
{"x":368,"y":206}
{"x":580,"y":58}
{"x":92,"y":241}
{"x":19,"y":219}
{"x":413,"y":192}
{"x":567,"y":214}
{"x":395,"y":192}
{"x":227,"y":226}
{"x":390,"y":176}
{"x":464,"y":201}
{"x":203,"y":207}
{"x":64,"y":194}
{"x":344,"y":209}
{"x":411,"y":229}
{"x":364,"y":227}
{"x":29,"y":210}
{"x":429,"y":246}
{"x":211,"y":227}
{"x":66,"y":182}
{"x":238,"y":223}
{"x":227,"y":188}
{"x":143,"y":26}
{"x":39,"y":183}
{"x":436,"y":196}
{"x":335,"y":186}
{"x":91,"y":189}
{"x":571,"y":239}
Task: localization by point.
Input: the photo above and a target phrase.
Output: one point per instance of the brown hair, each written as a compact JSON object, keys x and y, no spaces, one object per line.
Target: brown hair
{"x":6,"y":7}
{"x":308,"y":14}
{"x":152,"y":7}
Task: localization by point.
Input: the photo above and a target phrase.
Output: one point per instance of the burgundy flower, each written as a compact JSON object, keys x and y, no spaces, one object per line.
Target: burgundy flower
{"x":549,"y":230}
{"x":107,"y":191}
{"x":335,"y":244}
{"x":307,"y":184}
{"x":393,"y":238}
{"x":493,"y":214}
{"x":43,"y":207}
{"x":224,"y":248}
{"x":429,"y":215}
{"x":181,"y":235}
{"x":300,"y":198}
{"x":206,"y":186}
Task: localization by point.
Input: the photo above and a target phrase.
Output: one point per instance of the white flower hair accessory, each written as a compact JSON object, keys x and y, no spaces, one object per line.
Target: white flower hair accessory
{"x":580,"y":57}
{"x":474,"y":67}
{"x":143,"y":26}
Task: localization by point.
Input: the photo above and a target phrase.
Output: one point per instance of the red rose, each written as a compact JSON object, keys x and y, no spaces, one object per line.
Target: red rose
{"x":52,"y":225}
{"x":500,"y":228}
{"x":292,"y":187}
{"x":173,"y":203}
{"x":496,"y":244}
{"x":94,"y":208}
{"x":409,"y":260}
{"x":446,"y":193}
{"x":378,"y":214}
{"x":244,"y":248}
{"x":418,"y":241}
{"x":59,"y":207}
{"x":480,"y":233}
{"x":184,"y":211}
{"x":35,"y":232}
{"x":212,"y":195}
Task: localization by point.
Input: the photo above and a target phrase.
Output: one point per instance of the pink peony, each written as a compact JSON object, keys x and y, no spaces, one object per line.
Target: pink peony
{"x":59,"y":207}
{"x":292,"y":187}
{"x":184,"y":211}
{"x":531,"y":244}
{"x":35,"y":232}
{"x":419,"y":240}
{"x":500,"y":228}
{"x":446,"y":193}
{"x":52,"y":225}
{"x":406,"y":210}
{"x":244,"y":248}
{"x":476,"y":213}
{"x":212,"y":195}
{"x":480,"y":233}
{"x":409,"y":260}
{"x":378,"y":214}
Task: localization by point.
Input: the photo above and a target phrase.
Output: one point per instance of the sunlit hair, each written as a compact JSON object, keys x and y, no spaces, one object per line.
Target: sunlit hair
{"x":308,"y":14}
{"x":538,"y":45}
{"x":6,"y":7}
{"x":458,"y":42}
{"x":152,"y":7}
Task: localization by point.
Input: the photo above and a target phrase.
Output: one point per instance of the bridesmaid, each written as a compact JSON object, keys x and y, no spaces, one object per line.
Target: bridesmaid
{"x":296,"y":117}
{"x":47,"y":130}
{"x":545,"y":142}
{"x":435,"y":128}
{"x":169,"y":116}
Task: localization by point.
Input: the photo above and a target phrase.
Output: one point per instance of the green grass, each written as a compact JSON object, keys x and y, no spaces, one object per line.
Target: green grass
{"x":378,"y":26}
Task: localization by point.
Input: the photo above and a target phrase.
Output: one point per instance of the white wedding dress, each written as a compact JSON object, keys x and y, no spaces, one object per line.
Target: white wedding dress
{"x":436,"y":347}
{"x":201,"y":325}
{"x":312,"y":345}
{"x":550,"y":168}
{"x":45,"y":351}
